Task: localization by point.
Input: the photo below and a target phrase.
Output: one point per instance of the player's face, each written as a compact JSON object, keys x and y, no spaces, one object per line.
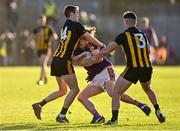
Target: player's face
{"x":76,"y":16}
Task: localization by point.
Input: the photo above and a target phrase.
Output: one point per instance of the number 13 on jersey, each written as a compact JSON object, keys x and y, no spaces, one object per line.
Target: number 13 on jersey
{"x":141,"y":39}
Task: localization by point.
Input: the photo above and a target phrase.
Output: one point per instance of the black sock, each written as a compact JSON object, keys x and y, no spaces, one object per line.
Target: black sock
{"x":140,"y":105}
{"x":96,"y":115}
{"x":156,"y":107}
{"x":43,"y":102}
{"x":114,"y":115}
{"x":63,"y":111}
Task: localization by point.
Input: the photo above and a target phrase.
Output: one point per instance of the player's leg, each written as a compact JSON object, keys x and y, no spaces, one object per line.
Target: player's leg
{"x":120,"y":87}
{"x":153,"y":98}
{"x":148,"y":90}
{"x":61,"y":92}
{"x":84,"y":96}
{"x":109,"y":87}
{"x":71,"y":81}
{"x":42,"y":73}
{"x":37,"y":107}
{"x":44,"y":68}
{"x":144,"y":107}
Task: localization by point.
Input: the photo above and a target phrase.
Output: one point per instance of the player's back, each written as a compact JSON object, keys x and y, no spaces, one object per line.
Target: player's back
{"x":135,"y":46}
{"x":70,"y":36}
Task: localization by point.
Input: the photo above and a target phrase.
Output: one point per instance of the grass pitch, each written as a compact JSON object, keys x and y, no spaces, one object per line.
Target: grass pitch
{"x":18,"y":90}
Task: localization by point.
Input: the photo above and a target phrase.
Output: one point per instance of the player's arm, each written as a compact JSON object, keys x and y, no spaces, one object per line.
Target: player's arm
{"x":8,"y":35}
{"x":49,"y":51}
{"x":30,"y":38}
{"x":2,"y":37}
{"x":79,"y":59}
{"x":53,"y":34}
{"x":92,"y":40}
{"x":154,"y":38}
{"x":105,"y":51}
{"x":11,"y":36}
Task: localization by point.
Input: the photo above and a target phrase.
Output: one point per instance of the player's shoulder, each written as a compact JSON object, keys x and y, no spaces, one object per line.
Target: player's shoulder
{"x":122,"y":34}
{"x":78,"y":25}
{"x":72,"y":24}
{"x":68,"y":21}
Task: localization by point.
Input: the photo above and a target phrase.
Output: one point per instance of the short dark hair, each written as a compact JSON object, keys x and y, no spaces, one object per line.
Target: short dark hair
{"x":70,"y":9}
{"x":129,"y":15}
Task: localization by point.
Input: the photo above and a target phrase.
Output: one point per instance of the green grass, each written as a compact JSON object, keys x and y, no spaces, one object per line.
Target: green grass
{"x":18,"y":90}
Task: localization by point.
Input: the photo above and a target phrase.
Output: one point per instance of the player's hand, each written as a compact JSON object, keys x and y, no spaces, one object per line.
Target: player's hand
{"x":92,"y":59}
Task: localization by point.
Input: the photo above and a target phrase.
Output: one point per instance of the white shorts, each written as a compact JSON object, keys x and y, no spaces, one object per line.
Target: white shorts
{"x":106,"y":74}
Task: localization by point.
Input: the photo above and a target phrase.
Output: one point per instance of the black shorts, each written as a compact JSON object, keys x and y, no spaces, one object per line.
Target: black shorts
{"x":135,"y":74}
{"x":41,"y":52}
{"x":61,"y":67}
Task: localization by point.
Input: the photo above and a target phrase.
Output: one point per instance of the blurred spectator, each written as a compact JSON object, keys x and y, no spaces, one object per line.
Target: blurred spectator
{"x":162,"y":51}
{"x":92,"y":19}
{"x":3,"y":52}
{"x":7,"y":48}
{"x":12,"y":14}
{"x":27,"y":49}
{"x":171,"y":54}
{"x":50,"y":11}
{"x":150,"y":32}
{"x":87,"y":19}
{"x":84,"y":20}
{"x":152,"y":37}
{"x":43,"y":36}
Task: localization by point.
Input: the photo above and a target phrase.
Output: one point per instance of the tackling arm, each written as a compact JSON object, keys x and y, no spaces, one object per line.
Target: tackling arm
{"x":105,"y":51}
{"x":80,"y":59}
{"x":92,"y":40}
{"x":30,"y":38}
{"x":155,"y":39}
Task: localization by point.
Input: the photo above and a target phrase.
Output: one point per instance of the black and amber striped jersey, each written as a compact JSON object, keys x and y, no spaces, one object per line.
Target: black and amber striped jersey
{"x":136,"y":47}
{"x":43,"y":36}
{"x":69,"y":39}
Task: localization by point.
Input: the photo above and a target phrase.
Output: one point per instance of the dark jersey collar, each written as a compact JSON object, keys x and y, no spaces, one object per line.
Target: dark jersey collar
{"x":132,"y":29}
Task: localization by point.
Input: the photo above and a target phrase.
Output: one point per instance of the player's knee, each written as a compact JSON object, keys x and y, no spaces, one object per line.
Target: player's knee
{"x":146,"y":88}
{"x":75,"y":90}
{"x":62,"y":92}
{"x":80,"y":98}
{"x":83,"y":96}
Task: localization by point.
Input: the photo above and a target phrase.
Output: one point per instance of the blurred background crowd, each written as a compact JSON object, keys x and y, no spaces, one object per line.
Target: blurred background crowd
{"x":159,"y":19}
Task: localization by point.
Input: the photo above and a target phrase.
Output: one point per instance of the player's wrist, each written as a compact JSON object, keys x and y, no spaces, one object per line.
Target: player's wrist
{"x":103,"y":46}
